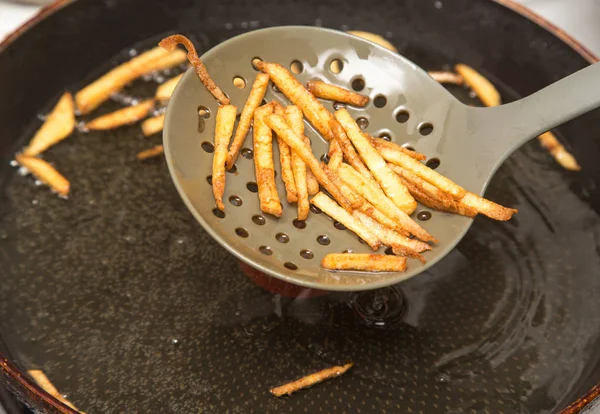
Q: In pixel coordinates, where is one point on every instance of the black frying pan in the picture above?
(128, 306)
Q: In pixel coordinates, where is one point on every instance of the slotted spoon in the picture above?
(469, 144)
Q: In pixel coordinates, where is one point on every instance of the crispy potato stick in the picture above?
(263, 162)
(356, 201)
(480, 85)
(310, 380)
(386, 178)
(349, 152)
(153, 125)
(447, 77)
(285, 159)
(377, 197)
(297, 144)
(151, 152)
(58, 125)
(558, 151)
(293, 116)
(171, 42)
(165, 90)
(311, 180)
(254, 99)
(223, 130)
(45, 172)
(125, 116)
(335, 154)
(364, 262)
(42, 380)
(93, 95)
(335, 93)
(400, 245)
(313, 110)
(487, 207)
(375, 38)
(372, 211)
(426, 173)
(382, 143)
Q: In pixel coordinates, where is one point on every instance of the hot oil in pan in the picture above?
(126, 304)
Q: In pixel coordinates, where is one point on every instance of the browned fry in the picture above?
(349, 152)
(364, 262)
(223, 130)
(166, 89)
(125, 116)
(558, 151)
(93, 95)
(356, 201)
(153, 125)
(313, 183)
(386, 178)
(447, 77)
(46, 173)
(263, 162)
(293, 116)
(400, 245)
(171, 42)
(151, 152)
(487, 207)
(310, 380)
(313, 110)
(254, 99)
(375, 38)
(382, 143)
(329, 207)
(482, 87)
(58, 125)
(335, 93)
(335, 154)
(285, 159)
(377, 197)
(42, 380)
(297, 144)
(372, 211)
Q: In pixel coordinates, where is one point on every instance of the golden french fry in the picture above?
(386, 178)
(356, 201)
(447, 77)
(558, 151)
(382, 143)
(165, 90)
(171, 42)
(330, 207)
(151, 152)
(487, 207)
(372, 211)
(93, 95)
(45, 172)
(310, 380)
(364, 262)
(58, 125)
(313, 110)
(335, 93)
(378, 198)
(263, 161)
(400, 245)
(153, 125)
(313, 183)
(285, 159)
(125, 116)
(297, 144)
(375, 38)
(223, 131)
(348, 149)
(44, 382)
(335, 154)
(482, 87)
(254, 99)
(293, 116)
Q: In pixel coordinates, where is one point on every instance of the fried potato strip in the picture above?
(150, 152)
(46, 173)
(311, 180)
(335, 154)
(335, 93)
(447, 77)
(263, 162)
(153, 125)
(350, 153)
(166, 89)
(487, 207)
(285, 159)
(310, 380)
(482, 87)
(58, 125)
(382, 143)
(293, 116)
(558, 151)
(125, 116)
(364, 262)
(44, 382)
(223, 131)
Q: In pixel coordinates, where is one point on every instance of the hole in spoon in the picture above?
(209, 179)
(336, 66)
(306, 254)
(424, 215)
(323, 240)
(218, 213)
(242, 232)
(239, 82)
(282, 237)
(208, 147)
(426, 129)
(299, 224)
(362, 122)
(385, 136)
(266, 250)
(358, 84)
(247, 153)
(291, 266)
(255, 62)
(296, 67)
(203, 112)
(235, 200)
(433, 163)
(252, 187)
(380, 101)
(259, 220)
(402, 116)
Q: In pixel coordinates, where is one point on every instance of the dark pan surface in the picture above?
(128, 306)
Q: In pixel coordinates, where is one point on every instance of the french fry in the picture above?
(364, 262)
(298, 145)
(487, 207)
(165, 90)
(375, 38)
(150, 152)
(153, 125)
(58, 125)
(254, 99)
(377, 197)
(558, 151)
(482, 87)
(373, 212)
(313, 110)
(125, 116)
(263, 161)
(293, 116)
(44, 382)
(285, 159)
(447, 77)
(335, 93)
(171, 42)
(335, 154)
(386, 178)
(311, 180)
(93, 95)
(329, 207)
(382, 143)
(356, 201)
(400, 245)
(223, 130)
(46, 173)
(348, 149)
(310, 380)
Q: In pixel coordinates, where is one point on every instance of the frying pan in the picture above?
(128, 306)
